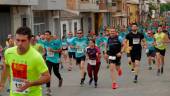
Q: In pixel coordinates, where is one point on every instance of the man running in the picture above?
(150, 51)
(160, 45)
(114, 53)
(135, 42)
(80, 43)
(25, 66)
(53, 48)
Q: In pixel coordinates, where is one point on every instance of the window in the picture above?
(39, 22)
(75, 26)
(39, 28)
(64, 30)
(24, 21)
(114, 3)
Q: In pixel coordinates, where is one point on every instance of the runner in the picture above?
(10, 44)
(35, 45)
(113, 53)
(53, 48)
(93, 53)
(1, 57)
(160, 45)
(55, 37)
(71, 50)
(105, 39)
(64, 51)
(21, 63)
(80, 43)
(135, 39)
(150, 51)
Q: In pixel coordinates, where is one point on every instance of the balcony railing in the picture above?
(88, 6)
(18, 2)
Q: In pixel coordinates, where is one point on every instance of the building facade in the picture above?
(133, 11)
(120, 15)
(15, 13)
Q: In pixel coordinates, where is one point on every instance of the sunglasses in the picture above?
(79, 33)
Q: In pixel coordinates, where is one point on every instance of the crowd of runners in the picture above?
(83, 51)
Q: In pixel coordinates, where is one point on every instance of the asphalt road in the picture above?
(149, 83)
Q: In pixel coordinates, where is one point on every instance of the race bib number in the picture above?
(112, 57)
(80, 50)
(64, 47)
(159, 43)
(92, 62)
(18, 83)
(50, 54)
(147, 51)
(136, 40)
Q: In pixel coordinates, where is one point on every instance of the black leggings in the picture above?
(55, 67)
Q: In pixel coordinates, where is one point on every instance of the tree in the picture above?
(165, 7)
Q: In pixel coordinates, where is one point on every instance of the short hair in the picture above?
(135, 24)
(159, 25)
(24, 31)
(93, 40)
(80, 31)
(48, 32)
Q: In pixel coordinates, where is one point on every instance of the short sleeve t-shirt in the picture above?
(70, 41)
(28, 66)
(114, 45)
(159, 37)
(92, 53)
(55, 45)
(135, 39)
(150, 41)
(82, 43)
(38, 47)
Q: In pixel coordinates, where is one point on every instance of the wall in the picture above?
(18, 13)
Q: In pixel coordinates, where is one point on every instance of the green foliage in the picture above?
(152, 6)
(165, 7)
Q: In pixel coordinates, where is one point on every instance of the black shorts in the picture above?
(128, 54)
(162, 52)
(135, 55)
(151, 53)
(59, 55)
(71, 54)
(117, 61)
(79, 59)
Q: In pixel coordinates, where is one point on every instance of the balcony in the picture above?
(18, 2)
(109, 7)
(50, 5)
(88, 7)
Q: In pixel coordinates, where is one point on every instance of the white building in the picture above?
(50, 15)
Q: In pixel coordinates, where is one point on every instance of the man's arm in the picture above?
(57, 51)
(166, 39)
(45, 78)
(4, 75)
(144, 43)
